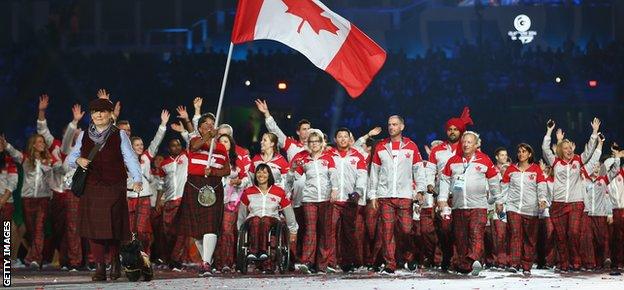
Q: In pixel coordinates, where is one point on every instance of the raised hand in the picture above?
(77, 113)
(374, 132)
(103, 94)
(263, 107)
(164, 117)
(595, 124)
(182, 113)
(3, 143)
(178, 127)
(44, 101)
(550, 125)
(117, 109)
(197, 103)
(560, 135)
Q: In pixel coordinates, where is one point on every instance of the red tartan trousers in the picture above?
(588, 256)
(297, 249)
(64, 214)
(359, 236)
(500, 238)
(226, 243)
(177, 243)
(546, 250)
(522, 243)
(35, 213)
(374, 242)
(6, 212)
(599, 237)
(316, 245)
(567, 221)
(469, 229)
(342, 233)
(445, 236)
(618, 238)
(393, 211)
(141, 221)
(428, 236)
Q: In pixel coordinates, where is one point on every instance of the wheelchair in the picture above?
(278, 251)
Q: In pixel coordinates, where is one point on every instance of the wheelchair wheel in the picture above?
(242, 249)
(282, 251)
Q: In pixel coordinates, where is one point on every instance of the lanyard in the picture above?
(467, 164)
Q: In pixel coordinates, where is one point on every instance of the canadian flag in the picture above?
(329, 41)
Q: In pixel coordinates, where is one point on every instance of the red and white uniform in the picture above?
(616, 193)
(278, 164)
(470, 180)
(232, 194)
(394, 169)
(176, 171)
(36, 194)
(320, 176)
(288, 144)
(261, 210)
(439, 156)
(351, 173)
(198, 160)
(523, 190)
(146, 160)
(260, 204)
(8, 177)
(292, 147)
(568, 184)
(566, 210)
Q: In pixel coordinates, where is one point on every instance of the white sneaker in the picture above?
(263, 256)
(476, 268)
(331, 270)
(17, 264)
(34, 265)
(72, 270)
(251, 257)
(226, 269)
(64, 268)
(304, 269)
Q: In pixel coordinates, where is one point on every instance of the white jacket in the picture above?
(37, 178)
(479, 178)
(146, 161)
(596, 198)
(58, 178)
(320, 176)
(351, 173)
(523, 190)
(616, 183)
(394, 171)
(176, 172)
(568, 185)
(427, 174)
(8, 178)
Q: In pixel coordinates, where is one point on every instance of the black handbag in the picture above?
(80, 176)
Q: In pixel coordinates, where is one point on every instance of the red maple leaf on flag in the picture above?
(310, 12)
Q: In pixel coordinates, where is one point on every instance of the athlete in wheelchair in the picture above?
(263, 235)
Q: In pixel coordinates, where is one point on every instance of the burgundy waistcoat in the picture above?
(107, 168)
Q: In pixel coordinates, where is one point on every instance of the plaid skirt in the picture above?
(195, 220)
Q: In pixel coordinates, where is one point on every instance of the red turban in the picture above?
(461, 122)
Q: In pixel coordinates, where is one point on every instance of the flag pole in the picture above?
(220, 104)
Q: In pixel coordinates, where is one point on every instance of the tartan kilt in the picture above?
(195, 220)
(103, 212)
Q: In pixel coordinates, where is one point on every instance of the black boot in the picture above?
(100, 272)
(115, 271)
